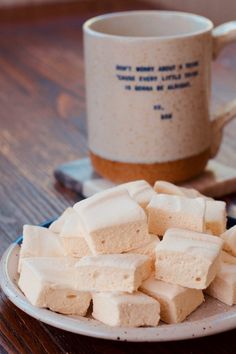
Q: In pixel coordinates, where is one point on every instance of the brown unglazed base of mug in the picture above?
(174, 171)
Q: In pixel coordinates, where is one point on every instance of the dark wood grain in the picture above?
(42, 124)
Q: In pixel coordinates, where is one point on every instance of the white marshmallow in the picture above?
(73, 238)
(127, 310)
(39, 242)
(176, 301)
(166, 211)
(229, 238)
(49, 283)
(57, 225)
(223, 286)
(112, 222)
(116, 272)
(188, 258)
(215, 213)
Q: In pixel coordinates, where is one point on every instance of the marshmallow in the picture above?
(112, 222)
(72, 237)
(215, 213)
(215, 217)
(116, 272)
(39, 242)
(127, 310)
(57, 225)
(140, 191)
(49, 283)
(164, 187)
(188, 258)
(223, 286)
(176, 301)
(227, 258)
(229, 238)
(166, 211)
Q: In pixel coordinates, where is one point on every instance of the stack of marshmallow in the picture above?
(107, 249)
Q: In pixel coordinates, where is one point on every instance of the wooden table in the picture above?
(42, 121)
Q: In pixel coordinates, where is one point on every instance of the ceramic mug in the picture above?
(148, 78)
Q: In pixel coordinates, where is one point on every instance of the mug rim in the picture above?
(87, 26)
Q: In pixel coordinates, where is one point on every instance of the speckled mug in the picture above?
(148, 76)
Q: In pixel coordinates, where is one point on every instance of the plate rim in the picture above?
(219, 323)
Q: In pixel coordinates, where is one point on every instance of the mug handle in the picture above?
(222, 35)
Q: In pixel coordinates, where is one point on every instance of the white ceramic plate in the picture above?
(210, 318)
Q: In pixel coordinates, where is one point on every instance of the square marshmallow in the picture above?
(40, 242)
(127, 310)
(115, 272)
(49, 283)
(166, 211)
(215, 213)
(188, 258)
(112, 222)
(176, 301)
